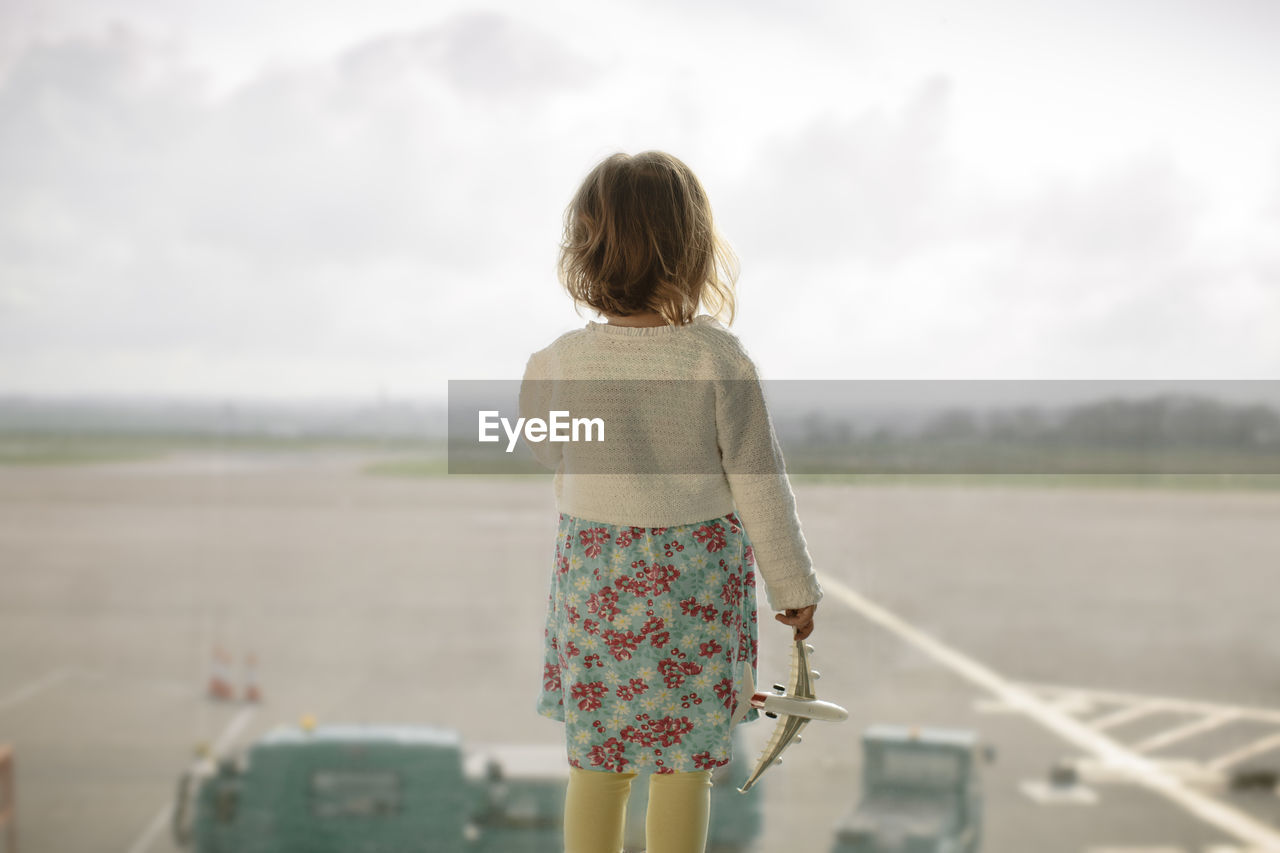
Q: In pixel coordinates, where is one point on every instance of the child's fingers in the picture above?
(801, 619)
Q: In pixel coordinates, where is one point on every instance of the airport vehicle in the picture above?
(375, 788)
(921, 793)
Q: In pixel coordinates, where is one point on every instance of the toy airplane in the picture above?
(794, 706)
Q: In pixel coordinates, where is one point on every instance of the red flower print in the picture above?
(668, 731)
(709, 613)
(640, 736)
(629, 691)
(660, 639)
(674, 674)
(672, 547)
(726, 693)
(626, 537)
(662, 577)
(747, 649)
(591, 626)
(622, 643)
(589, 695)
(572, 650)
(573, 614)
(711, 535)
(657, 531)
(671, 674)
(604, 603)
(591, 660)
(654, 623)
(735, 526)
(592, 539)
(749, 556)
(562, 565)
(710, 649)
(690, 606)
(671, 730)
(551, 678)
(609, 755)
(703, 761)
(731, 592)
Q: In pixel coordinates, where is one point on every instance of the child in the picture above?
(651, 616)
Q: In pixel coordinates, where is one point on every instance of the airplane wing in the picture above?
(787, 731)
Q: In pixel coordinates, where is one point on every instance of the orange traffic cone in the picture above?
(220, 675)
(252, 692)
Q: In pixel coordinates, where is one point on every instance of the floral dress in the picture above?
(648, 631)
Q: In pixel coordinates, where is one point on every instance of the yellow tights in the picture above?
(595, 810)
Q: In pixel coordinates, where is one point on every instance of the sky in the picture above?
(331, 200)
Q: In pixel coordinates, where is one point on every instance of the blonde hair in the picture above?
(639, 236)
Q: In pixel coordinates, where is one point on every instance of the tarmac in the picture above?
(1128, 634)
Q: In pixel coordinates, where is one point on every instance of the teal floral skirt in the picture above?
(648, 632)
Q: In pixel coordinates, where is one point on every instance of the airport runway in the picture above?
(1116, 630)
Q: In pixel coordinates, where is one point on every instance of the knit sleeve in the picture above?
(535, 402)
(753, 464)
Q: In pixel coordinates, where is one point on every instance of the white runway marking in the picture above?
(152, 831)
(1186, 730)
(1128, 715)
(232, 731)
(1137, 767)
(1258, 747)
(1181, 706)
(224, 742)
(24, 693)
(1044, 792)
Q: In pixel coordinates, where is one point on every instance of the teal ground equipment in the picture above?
(921, 793)
(399, 789)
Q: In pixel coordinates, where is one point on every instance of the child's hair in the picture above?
(638, 237)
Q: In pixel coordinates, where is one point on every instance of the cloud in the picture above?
(479, 54)
(864, 187)
(320, 211)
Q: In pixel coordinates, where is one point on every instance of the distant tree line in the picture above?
(1163, 433)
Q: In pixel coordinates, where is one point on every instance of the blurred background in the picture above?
(244, 248)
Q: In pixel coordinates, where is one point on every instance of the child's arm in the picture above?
(753, 464)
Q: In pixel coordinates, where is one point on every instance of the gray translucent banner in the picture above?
(700, 427)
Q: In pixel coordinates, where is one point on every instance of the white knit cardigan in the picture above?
(697, 444)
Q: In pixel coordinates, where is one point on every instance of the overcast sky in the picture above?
(324, 199)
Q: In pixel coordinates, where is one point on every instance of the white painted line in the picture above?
(25, 692)
(1044, 793)
(1075, 704)
(1185, 731)
(233, 729)
(1258, 747)
(152, 831)
(1139, 768)
(1185, 706)
(1191, 772)
(224, 742)
(992, 706)
(1128, 715)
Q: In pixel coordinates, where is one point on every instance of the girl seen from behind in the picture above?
(651, 628)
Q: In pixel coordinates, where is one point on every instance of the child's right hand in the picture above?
(801, 619)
